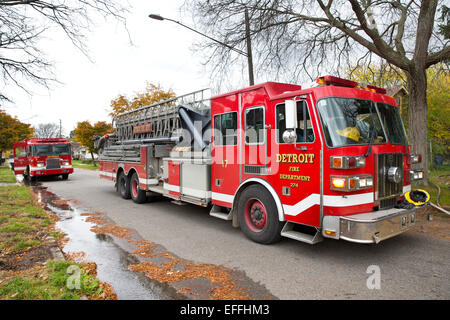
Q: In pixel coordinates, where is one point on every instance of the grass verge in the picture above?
(7, 175)
(57, 280)
(27, 269)
(440, 177)
(84, 165)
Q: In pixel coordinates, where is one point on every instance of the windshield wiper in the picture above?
(372, 136)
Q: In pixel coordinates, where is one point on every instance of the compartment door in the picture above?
(174, 178)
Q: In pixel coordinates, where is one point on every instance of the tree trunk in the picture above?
(417, 118)
(93, 160)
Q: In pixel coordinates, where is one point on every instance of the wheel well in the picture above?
(247, 184)
(119, 170)
(130, 173)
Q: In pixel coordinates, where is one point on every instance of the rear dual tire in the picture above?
(129, 188)
(137, 195)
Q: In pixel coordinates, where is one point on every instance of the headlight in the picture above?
(416, 158)
(416, 174)
(40, 165)
(66, 163)
(351, 183)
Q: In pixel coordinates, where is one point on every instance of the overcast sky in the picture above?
(161, 53)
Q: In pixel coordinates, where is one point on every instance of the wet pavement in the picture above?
(136, 268)
(112, 261)
(413, 265)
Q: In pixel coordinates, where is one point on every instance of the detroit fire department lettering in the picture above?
(294, 177)
(295, 158)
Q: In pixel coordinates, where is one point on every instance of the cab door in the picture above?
(20, 159)
(256, 138)
(299, 170)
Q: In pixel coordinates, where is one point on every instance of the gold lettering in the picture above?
(301, 158)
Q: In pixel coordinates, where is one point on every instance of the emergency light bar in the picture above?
(330, 80)
(376, 89)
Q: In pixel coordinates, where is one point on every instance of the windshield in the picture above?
(61, 149)
(349, 121)
(392, 122)
(49, 149)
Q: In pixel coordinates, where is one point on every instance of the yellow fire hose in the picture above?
(419, 197)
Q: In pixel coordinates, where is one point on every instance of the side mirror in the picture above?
(291, 114)
(290, 136)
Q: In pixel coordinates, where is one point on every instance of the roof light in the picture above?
(377, 89)
(330, 80)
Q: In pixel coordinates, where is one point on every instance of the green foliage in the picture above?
(438, 99)
(444, 28)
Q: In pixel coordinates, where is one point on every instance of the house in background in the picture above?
(400, 94)
(80, 153)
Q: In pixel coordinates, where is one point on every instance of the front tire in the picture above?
(137, 195)
(27, 175)
(65, 176)
(258, 215)
(123, 186)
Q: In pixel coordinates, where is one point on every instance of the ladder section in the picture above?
(162, 118)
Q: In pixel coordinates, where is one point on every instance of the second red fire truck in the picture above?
(276, 159)
(41, 157)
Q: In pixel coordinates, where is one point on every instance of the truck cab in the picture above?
(38, 157)
(330, 161)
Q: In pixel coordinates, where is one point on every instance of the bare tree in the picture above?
(47, 130)
(24, 22)
(294, 38)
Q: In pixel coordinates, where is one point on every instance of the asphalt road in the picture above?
(412, 266)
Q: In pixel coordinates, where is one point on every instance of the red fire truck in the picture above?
(37, 157)
(276, 159)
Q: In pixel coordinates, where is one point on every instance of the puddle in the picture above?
(111, 259)
(139, 269)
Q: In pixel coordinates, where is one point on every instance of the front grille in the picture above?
(388, 203)
(385, 188)
(53, 163)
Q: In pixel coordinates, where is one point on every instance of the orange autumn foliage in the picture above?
(153, 93)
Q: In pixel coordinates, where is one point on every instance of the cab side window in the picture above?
(225, 129)
(20, 152)
(254, 125)
(305, 132)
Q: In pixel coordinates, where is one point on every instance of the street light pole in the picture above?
(247, 31)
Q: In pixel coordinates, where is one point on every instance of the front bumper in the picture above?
(35, 171)
(373, 227)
